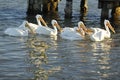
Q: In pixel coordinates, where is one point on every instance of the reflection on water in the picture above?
(37, 50)
(102, 46)
(38, 57)
(98, 59)
(101, 53)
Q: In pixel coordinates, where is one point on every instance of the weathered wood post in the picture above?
(116, 16)
(116, 10)
(105, 9)
(50, 6)
(34, 7)
(83, 9)
(54, 5)
(116, 4)
(84, 6)
(104, 12)
(105, 5)
(46, 6)
(68, 9)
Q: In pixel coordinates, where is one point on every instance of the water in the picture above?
(44, 58)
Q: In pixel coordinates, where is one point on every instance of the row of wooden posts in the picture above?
(47, 6)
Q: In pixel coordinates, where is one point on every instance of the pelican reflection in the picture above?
(39, 59)
(101, 57)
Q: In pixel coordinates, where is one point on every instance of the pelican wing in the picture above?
(16, 32)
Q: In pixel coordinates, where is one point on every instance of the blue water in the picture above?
(45, 58)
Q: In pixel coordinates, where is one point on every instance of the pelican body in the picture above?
(19, 31)
(40, 21)
(47, 30)
(75, 33)
(98, 34)
(106, 31)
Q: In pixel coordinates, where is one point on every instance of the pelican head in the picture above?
(55, 23)
(23, 24)
(84, 28)
(26, 23)
(81, 24)
(39, 18)
(80, 29)
(107, 23)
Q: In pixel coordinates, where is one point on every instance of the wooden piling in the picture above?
(104, 12)
(68, 9)
(84, 6)
(34, 7)
(47, 6)
(83, 9)
(50, 6)
(105, 5)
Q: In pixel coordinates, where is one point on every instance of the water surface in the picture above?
(45, 58)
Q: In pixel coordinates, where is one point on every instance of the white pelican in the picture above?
(106, 31)
(47, 30)
(75, 33)
(22, 30)
(98, 34)
(39, 20)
